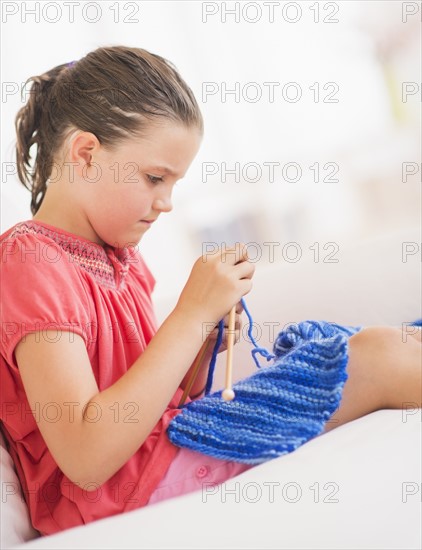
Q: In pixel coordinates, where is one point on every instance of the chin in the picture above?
(124, 238)
(122, 243)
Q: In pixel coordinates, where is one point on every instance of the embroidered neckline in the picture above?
(109, 265)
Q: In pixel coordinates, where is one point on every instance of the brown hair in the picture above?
(111, 92)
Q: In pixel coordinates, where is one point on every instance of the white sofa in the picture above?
(358, 486)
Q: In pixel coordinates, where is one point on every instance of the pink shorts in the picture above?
(190, 471)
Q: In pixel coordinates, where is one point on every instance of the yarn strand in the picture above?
(214, 357)
(256, 349)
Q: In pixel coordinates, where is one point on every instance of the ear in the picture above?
(83, 147)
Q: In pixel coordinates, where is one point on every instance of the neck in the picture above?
(70, 218)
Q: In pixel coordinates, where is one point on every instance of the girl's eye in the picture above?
(154, 179)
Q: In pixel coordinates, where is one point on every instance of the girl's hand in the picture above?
(238, 325)
(217, 282)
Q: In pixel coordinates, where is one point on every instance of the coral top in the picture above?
(54, 280)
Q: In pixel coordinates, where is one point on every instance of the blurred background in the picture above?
(311, 109)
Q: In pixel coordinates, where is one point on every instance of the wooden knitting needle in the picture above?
(228, 393)
(197, 364)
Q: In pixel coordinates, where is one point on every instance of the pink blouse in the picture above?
(54, 280)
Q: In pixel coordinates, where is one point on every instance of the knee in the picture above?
(378, 339)
(374, 351)
(371, 345)
(379, 348)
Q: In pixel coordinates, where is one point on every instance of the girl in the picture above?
(89, 385)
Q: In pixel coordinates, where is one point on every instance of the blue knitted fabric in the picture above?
(279, 407)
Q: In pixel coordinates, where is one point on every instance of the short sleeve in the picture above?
(41, 290)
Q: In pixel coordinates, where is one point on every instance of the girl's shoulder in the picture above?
(27, 243)
(46, 236)
(39, 288)
(31, 243)
(36, 256)
(51, 248)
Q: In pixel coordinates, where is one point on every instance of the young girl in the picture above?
(89, 385)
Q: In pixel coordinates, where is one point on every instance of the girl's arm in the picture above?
(98, 432)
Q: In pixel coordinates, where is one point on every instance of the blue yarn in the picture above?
(214, 357)
(256, 349)
(294, 334)
(278, 408)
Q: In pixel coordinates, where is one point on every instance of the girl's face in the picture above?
(126, 190)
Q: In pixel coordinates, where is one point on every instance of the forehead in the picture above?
(168, 147)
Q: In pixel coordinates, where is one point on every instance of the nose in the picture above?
(162, 202)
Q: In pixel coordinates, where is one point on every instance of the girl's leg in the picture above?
(416, 332)
(384, 372)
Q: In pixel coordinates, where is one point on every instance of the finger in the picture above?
(245, 270)
(213, 334)
(238, 322)
(243, 252)
(246, 286)
(236, 254)
(239, 307)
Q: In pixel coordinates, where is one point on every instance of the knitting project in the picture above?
(279, 407)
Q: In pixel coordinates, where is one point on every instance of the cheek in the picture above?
(126, 197)
(124, 202)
